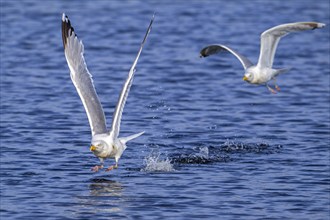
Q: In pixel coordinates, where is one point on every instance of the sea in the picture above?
(214, 147)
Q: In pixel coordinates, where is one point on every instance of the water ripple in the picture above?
(213, 145)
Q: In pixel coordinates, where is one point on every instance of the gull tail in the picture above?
(283, 70)
(124, 140)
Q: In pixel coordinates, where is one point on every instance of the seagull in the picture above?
(263, 72)
(105, 143)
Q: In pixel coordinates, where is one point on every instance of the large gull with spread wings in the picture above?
(263, 72)
(105, 143)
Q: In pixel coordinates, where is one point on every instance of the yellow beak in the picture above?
(245, 78)
(92, 148)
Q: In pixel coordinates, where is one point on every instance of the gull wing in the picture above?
(81, 78)
(271, 37)
(116, 119)
(214, 49)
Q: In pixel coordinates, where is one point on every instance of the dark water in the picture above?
(214, 148)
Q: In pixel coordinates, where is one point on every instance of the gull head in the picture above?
(248, 77)
(98, 147)
(99, 144)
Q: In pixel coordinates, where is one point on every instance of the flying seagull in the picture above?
(263, 72)
(105, 143)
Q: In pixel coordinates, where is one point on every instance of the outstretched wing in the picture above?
(125, 90)
(81, 78)
(214, 49)
(271, 37)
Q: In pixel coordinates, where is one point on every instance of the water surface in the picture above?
(214, 146)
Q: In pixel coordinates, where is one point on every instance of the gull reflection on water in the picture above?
(104, 187)
(105, 196)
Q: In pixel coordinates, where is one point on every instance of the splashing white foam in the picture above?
(153, 163)
(204, 151)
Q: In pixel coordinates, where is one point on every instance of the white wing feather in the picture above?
(125, 90)
(81, 78)
(271, 37)
(218, 48)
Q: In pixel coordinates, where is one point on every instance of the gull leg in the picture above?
(113, 166)
(97, 168)
(276, 86)
(271, 89)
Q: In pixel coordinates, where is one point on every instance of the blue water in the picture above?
(214, 146)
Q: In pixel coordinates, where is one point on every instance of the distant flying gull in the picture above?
(263, 72)
(105, 143)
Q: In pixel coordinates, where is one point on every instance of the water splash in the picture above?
(154, 163)
(204, 152)
(226, 152)
(198, 155)
(233, 147)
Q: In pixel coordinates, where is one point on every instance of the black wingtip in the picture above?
(67, 29)
(149, 28)
(203, 53)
